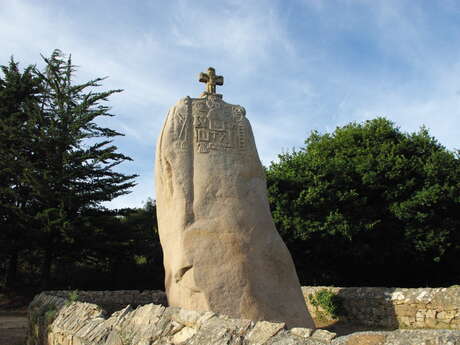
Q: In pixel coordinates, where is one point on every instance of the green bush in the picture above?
(72, 297)
(50, 315)
(329, 302)
(369, 205)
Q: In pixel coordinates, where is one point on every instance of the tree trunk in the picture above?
(12, 270)
(46, 269)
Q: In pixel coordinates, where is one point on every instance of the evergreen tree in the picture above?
(71, 159)
(128, 247)
(19, 97)
(124, 251)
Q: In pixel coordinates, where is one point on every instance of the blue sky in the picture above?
(296, 66)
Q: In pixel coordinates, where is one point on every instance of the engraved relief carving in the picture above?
(217, 126)
(181, 125)
(201, 125)
(239, 115)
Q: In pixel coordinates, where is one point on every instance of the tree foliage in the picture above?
(57, 161)
(369, 203)
(119, 249)
(19, 98)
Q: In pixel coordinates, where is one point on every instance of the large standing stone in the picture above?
(222, 252)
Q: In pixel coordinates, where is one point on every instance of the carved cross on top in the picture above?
(211, 80)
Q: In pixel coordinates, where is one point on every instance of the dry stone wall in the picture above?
(112, 301)
(54, 320)
(396, 307)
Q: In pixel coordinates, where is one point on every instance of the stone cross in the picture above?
(211, 80)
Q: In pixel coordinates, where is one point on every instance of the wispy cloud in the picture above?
(296, 66)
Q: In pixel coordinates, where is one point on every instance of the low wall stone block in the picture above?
(434, 308)
(54, 320)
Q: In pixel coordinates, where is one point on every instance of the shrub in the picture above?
(329, 302)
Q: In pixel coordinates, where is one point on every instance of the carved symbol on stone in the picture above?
(203, 147)
(202, 134)
(199, 107)
(241, 136)
(218, 126)
(216, 122)
(239, 115)
(181, 125)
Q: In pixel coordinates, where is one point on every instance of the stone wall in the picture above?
(112, 301)
(55, 320)
(396, 307)
(372, 306)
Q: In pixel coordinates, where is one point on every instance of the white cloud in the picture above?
(359, 60)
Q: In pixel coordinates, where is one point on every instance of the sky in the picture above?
(295, 65)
